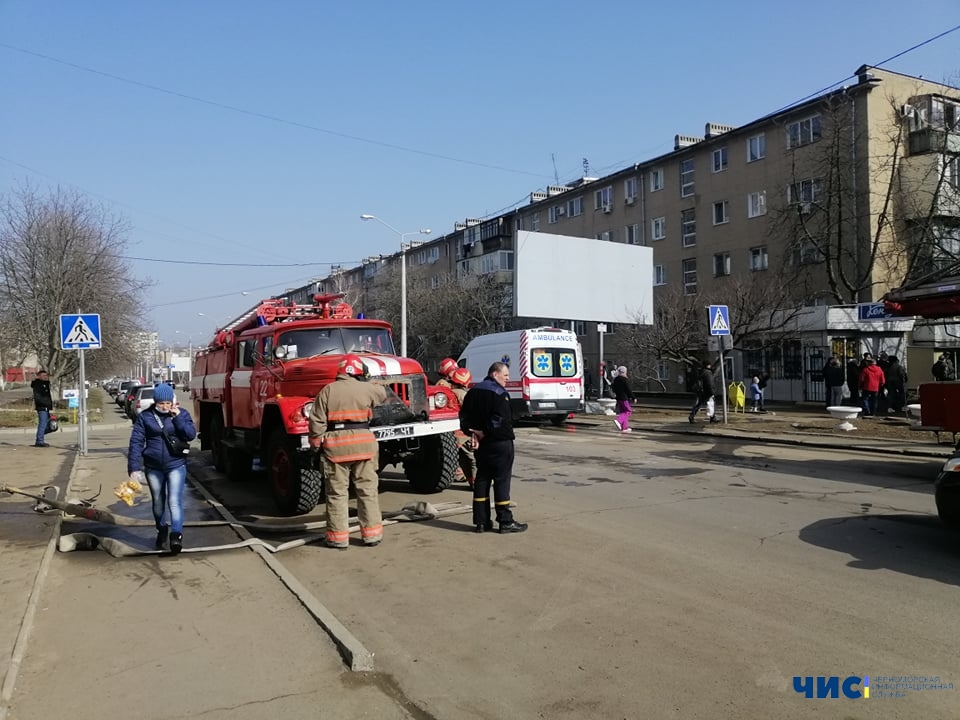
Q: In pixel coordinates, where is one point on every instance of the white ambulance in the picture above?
(546, 369)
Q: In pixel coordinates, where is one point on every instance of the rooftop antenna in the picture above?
(586, 168)
(556, 175)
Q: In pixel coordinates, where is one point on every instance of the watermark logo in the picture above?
(855, 687)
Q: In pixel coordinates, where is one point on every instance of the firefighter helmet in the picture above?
(462, 376)
(447, 366)
(352, 365)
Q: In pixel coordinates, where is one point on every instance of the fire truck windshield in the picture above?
(334, 341)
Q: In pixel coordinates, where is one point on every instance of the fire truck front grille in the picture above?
(406, 400)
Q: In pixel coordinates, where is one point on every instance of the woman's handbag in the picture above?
(844, 391)
(53, 424)
(175, 445)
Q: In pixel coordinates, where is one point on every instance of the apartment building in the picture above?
(809, 210)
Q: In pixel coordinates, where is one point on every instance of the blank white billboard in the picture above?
(575, 278)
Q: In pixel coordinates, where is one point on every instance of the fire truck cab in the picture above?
(254, 385)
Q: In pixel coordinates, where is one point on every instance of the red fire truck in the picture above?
(254, 385)
(937, 296)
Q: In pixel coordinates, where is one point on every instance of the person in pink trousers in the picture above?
(624, 396)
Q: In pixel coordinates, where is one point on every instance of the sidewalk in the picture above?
(151, 637)
(87, 636)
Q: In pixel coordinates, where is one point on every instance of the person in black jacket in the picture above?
(834, 377)
(704, 390)
(43, 402)
(486, 417)
(624, 396)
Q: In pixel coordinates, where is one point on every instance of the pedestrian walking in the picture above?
(942, 370)
(43, 403)
(853, 381)
(624, 396)
(487, 418)
(340, 427)
(158, 446)
(896, 384)
(871, 380)
(756, 394)
(834, 378)
(703, 387)
(461, 380)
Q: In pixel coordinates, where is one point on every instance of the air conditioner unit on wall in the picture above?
(631, 200)
(805, 208)
(608, 208)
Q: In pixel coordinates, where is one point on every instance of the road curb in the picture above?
(353, 651)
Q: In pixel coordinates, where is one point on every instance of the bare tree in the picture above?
(60, 254)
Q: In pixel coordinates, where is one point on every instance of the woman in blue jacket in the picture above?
(158, 449)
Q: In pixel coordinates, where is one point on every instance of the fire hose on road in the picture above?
(411, 512)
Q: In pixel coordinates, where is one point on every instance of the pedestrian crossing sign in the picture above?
(719, 317)
(80, 332)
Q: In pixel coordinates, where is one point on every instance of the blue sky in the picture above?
(422, 113)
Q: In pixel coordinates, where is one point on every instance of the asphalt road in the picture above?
(662, 576)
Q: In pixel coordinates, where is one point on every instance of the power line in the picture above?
(265, 116)
(231, 294)
(228, 264)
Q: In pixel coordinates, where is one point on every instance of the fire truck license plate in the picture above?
(393, 432)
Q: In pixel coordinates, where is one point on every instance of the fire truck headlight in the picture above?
(307, 409)
(440, 401)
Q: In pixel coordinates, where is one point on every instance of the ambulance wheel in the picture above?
(217, 449)
(434, 466)
(296, 489)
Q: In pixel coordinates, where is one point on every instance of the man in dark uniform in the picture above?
(43, 402)
(340, 425)
(485, 415)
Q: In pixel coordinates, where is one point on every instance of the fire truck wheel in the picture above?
(434, 466)
(217, 449)
(296, 488)
(948, 505)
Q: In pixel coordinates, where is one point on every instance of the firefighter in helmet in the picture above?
(461, 380)
(340, 426)
(447, 367)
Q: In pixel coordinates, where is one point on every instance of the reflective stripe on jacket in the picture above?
(346, 400)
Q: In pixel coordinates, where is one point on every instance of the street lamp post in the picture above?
(404, 246)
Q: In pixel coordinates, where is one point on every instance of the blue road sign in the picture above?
(80, 332)
(719, 319)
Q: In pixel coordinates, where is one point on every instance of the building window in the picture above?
(803, 132)
(554, 214)
(663, 370)
(721, 212)
(805, 191)
(688, 227)
(806, 252)
(656, 179)
(757, 204)
(435, 282)
(951, 170)
(630, 190)
(535, 225)
(756, 148)
(758, 258)
(632, 235)
(659, 275)
(690, 276)
(720, 159)
(603, 199)
(721, 264)
(658, 228)
(575, 206)
(686, 178)
(496, 261)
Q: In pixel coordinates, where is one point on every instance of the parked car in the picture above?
(122, 392)
(131, 396)
(143, 400)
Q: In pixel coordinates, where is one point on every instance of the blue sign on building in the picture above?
(873, 311)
